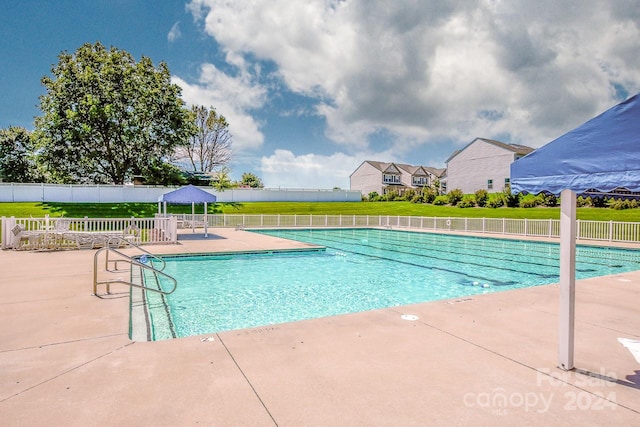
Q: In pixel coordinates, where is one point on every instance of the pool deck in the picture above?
(488, 360)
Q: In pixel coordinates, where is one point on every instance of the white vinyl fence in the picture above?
(70, 232)
(610, 231)
(60, 193)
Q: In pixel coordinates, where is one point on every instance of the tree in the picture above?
(210, 147)
(251, 180)
(222, 181)
(108, 118)
(17, 158)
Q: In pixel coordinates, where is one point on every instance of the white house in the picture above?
(383, 177)
(482, 164)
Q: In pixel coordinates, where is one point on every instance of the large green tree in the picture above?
(108, 118)
(17, 157)
(251, 180)
(209, 149)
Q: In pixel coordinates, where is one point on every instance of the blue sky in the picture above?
(313, 88)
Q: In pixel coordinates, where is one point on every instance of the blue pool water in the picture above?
(361, 269)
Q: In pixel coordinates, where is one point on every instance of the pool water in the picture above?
(360, 269)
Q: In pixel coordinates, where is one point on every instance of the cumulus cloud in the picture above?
(282, 168)
(174, 33)
(423, 71)
(235, 97)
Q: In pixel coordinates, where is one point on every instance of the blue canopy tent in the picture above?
(602, 154)
(188, 195)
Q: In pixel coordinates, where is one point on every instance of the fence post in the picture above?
(503, 226)
(611, 230)
(526, 227)
(483, 225)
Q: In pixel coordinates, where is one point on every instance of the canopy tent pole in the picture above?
(165, 207)
(193, 217)
(567, 278)
(159, 207)
(206, 222)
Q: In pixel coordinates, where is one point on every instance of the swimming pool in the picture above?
(360, 269)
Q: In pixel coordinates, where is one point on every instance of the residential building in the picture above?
(482, 164)
(383, 177)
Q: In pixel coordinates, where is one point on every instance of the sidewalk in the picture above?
(66, 358)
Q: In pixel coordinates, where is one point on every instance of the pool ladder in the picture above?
(111, 267)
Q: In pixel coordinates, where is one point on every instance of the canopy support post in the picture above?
(206, 221)
(567, 279)
(193, 217)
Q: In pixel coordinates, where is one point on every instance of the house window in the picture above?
(489, 184)
(507, 182)
(390, 179)
(419, 180)
(443, 187)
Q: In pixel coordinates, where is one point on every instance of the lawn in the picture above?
(139, 210)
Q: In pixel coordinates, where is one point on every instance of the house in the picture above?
(383, 177)
(482, 164)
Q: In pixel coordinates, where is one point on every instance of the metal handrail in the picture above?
(121, 240)
(132, 262)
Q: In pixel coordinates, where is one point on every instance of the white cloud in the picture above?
(174, 33)
(426, 70)
(233, 97)
(284, 169)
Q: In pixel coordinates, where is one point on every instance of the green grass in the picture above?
(146, 210)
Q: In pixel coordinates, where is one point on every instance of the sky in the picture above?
(313, 88)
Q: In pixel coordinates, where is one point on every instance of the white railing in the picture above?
(64, 233)
(68, 232)
(586, 230)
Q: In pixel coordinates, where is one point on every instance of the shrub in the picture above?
(481, 197)
(408, 194)
(428, 195)
(599, 202)
(374, 197)
(529, 201)
(440, 200)
(582, 202)
(391, 196)
(549, 200)
(495, 202)
(454, 196)
(467, 202)
(623, 204)
(508, 199)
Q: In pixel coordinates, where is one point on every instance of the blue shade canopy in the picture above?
(602, 154)
(187, 195)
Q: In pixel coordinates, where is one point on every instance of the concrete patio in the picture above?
(66, 358)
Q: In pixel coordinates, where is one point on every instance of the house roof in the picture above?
(515, 148)
(438, 172)
(411, 169)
